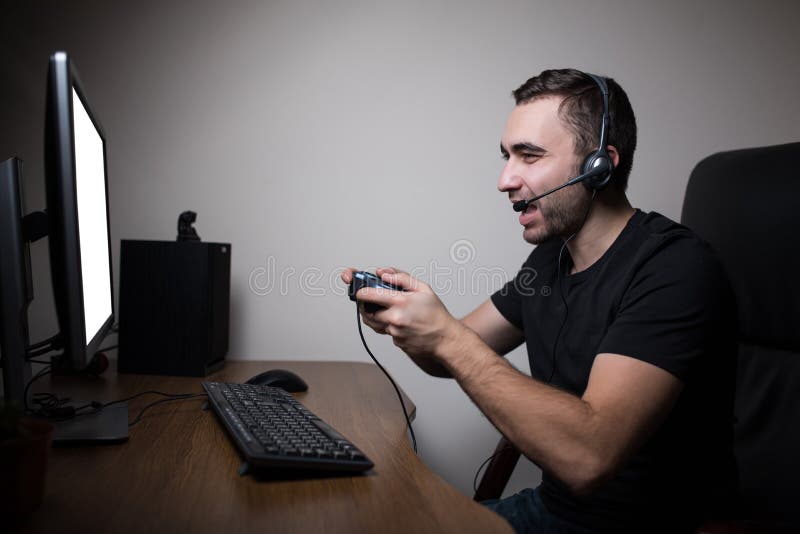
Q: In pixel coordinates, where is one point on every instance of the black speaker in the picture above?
(174, 302)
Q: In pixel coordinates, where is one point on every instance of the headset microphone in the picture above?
(522, 205)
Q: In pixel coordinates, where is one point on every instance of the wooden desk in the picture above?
(178, 471)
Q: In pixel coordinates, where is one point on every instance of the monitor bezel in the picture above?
(64, 231)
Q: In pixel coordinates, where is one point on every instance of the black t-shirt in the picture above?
(658, 294)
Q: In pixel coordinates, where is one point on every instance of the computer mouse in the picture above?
(280, 378)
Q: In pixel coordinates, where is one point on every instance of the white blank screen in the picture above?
(92, 221)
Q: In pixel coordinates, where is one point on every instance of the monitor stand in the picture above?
(108, 426)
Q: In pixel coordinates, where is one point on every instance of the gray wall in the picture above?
(315, 135)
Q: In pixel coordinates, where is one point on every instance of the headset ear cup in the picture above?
(592, 161)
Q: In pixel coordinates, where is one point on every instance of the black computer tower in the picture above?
(174, 302)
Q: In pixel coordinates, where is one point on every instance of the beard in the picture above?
(563, 213)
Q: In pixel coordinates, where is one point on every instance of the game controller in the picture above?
(365, 279)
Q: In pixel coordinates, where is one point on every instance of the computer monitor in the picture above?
(80, 245)
(77, 205)
(15, 286)
(77, 223)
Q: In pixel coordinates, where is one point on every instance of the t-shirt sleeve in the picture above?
(676, 308)
(508, 299)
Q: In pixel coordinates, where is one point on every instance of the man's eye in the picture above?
(530, 158)
(504, 156)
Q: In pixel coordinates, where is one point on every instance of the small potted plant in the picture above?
(24, 447)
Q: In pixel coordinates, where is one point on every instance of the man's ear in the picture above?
(613, 154)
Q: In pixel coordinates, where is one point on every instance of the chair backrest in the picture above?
(746, 204)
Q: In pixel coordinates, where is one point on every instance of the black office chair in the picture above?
(746, 204)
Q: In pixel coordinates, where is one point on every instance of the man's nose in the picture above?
(509, 180)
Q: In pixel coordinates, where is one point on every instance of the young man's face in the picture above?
(541, 156)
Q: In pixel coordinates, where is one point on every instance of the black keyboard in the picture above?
(272, 429)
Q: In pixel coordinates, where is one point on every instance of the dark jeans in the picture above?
(527, 513)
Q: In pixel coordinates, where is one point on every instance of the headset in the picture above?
(598, 167)
(599, 161)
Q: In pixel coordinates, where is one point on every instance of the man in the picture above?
(629, 408)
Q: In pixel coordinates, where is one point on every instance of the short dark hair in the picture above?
(582, 110)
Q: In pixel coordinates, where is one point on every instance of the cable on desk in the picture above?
(100, 406)
(399, 395)
(51, 406)
(138, 418)
(48, 369)
(151, 392)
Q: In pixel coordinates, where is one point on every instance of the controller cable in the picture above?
(397, 390)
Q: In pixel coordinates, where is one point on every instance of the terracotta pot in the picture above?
(23, 469)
